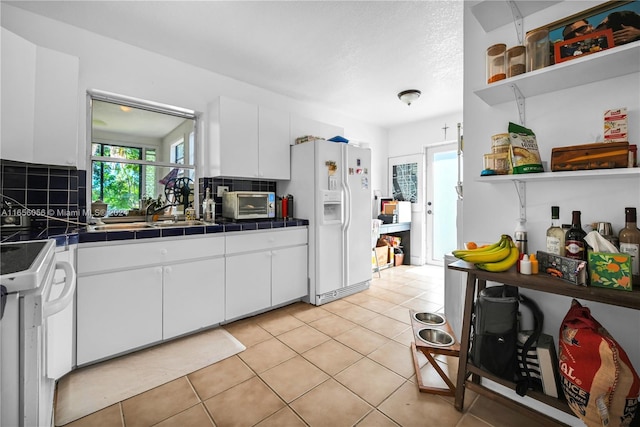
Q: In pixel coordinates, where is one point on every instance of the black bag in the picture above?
(494, 345)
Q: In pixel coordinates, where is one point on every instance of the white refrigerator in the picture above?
(330, 182)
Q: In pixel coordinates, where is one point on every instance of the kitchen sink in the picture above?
(166, 224)
(122, 226)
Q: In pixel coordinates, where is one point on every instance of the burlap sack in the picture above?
(598, 379)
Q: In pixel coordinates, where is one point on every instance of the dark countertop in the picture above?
(64, 236)
(220, 227)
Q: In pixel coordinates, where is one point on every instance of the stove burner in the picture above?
(19, 256)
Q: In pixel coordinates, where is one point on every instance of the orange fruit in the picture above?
(471, 245)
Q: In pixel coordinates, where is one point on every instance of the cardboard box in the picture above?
(382, 254)
(571, 270)
(590, 156)
(402, 210)
(609, 270)
(615, 125)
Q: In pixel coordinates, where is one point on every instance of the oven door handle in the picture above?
(50, 308)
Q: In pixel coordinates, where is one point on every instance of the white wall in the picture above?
(567, 117)
(112, 66)
(410, 139)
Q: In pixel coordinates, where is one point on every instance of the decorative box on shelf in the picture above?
(590, 156)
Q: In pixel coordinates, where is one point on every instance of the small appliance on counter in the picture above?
(249, 205)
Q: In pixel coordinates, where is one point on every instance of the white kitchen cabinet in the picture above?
(247, 140)
(193, 296)
(39, 103)
(289, 274)
(139, 293)
(264, 269)
(117, 312)
(248, 284)
(273, 148)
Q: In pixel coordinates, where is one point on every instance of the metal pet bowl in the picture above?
(429, 318)
(436, 337)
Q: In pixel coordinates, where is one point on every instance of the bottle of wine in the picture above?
(629, 238)
(555, 234)
(575, 246)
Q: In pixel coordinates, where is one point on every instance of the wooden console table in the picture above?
(469, 375)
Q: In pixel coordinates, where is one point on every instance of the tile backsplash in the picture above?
(50, 193)
(44, 192)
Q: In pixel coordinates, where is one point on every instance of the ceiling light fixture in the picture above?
(409, 96)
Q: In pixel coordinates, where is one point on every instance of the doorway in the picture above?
(441, 207)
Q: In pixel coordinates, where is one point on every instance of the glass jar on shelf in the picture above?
(515, 61)
(495, 63)
(538, 53)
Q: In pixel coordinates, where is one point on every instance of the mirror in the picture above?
(141, 152)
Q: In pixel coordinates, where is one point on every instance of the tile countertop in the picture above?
(219, 227)
(64, 236)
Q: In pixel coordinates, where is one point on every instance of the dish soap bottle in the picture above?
(208, 207)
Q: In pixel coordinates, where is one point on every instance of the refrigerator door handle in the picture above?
(347, 217)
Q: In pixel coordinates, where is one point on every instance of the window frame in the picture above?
(189, 169)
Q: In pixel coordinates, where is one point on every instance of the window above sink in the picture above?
(141, 150)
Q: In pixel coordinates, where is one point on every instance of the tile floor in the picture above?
(346, 363)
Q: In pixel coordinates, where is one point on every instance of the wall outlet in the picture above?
(221, 190)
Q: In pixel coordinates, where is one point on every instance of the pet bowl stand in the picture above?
(430, 351)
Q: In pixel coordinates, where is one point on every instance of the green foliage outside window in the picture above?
(116, 183)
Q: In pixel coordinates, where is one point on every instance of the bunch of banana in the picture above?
(496, 257)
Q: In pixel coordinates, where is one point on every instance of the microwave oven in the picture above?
(248, 204)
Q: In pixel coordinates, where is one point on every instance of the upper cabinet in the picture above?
(247, 140)
(39, 103)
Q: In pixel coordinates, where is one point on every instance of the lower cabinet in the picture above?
(131, 295)
(136, 294)
(193, 296)
(264, 269)
(117, 312)
(289, 274)
(248, 284)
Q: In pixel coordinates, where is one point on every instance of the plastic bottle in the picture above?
(520, 236)
(525, 265)
(534, 264)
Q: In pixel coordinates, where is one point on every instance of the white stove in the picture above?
(33, 298)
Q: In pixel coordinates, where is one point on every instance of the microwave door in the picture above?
(252, 205)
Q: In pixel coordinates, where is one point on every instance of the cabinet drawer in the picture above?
(265, 240)
(139, 254)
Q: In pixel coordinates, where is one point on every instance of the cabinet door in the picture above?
(118, 312)
(18, 96)
(273, 148)
(193, 296)
(238, 148)
(289, 277)
(248, 284)
(55, 139)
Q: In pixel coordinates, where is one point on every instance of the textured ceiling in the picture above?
(349, 56)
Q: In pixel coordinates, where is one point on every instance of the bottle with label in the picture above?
(575, 245)
(208, 206)
(555, 234)
(520, 237)
(629, 238)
